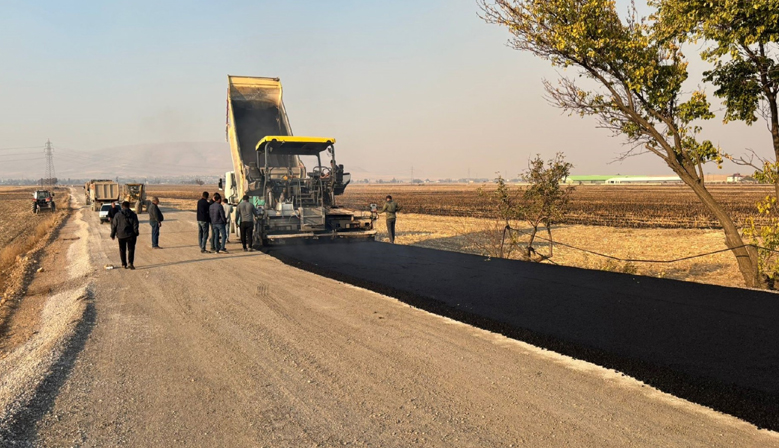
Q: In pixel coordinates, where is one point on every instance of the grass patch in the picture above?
(12, 254)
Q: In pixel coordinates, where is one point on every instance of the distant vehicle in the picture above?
(101, 191)
(103, 213)
(43, 199)
(135, 194)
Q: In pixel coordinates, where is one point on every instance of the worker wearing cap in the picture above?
(390, 208)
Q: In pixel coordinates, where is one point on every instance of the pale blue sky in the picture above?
(402, 83)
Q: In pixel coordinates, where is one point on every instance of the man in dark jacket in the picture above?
(203, 221)
(125, 227)
(113, 210)
(390, 208)
(155, 221)
(218, 223)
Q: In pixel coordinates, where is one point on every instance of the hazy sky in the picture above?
(399, 84)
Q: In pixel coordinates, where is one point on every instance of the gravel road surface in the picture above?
(242, 350)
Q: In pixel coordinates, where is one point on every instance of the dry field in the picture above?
(183, 197)
(632, 206)
(452, 218)
(21, 231)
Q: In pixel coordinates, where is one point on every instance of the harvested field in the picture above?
(21, 234)
(183, 197)
(631, 206)
(17, 222)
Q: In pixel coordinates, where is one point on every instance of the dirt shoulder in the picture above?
(37, 345)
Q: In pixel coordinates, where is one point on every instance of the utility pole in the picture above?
(412, 174)
(50, 179)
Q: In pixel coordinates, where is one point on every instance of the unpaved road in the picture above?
(241, 350)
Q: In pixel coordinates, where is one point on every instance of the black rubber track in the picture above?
(712, 345)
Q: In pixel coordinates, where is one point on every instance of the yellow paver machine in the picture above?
(292, 180)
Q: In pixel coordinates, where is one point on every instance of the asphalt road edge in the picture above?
(753, 406)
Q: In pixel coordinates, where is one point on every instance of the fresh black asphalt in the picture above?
(712, 345)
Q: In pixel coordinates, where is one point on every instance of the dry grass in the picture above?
(482, 237)
(22, 230)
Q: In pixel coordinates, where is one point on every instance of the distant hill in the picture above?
(145, 160)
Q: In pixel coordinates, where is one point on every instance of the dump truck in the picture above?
(269, 165)
(135, 194)
(101, 191)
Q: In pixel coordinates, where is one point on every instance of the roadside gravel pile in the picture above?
(23, 370)
(27, 370)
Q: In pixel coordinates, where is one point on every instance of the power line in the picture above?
(18, 160)
(50, 178)
(12, 154)
(634, 260)
(20, 147)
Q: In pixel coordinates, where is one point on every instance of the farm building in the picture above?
(617, 179)
(589, 179)
(644, 180)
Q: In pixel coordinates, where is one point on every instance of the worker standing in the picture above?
(228, 208)
(246, 212)
(390, 208)
(155, 220)
(217, 214)
(113, 210)
(203, 222)
(125, 227)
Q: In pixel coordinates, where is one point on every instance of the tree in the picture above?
(543, 202)
(546, 200)
(636, 72)
(741, 40)
(505, 202)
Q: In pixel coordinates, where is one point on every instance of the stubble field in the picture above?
(632, 206)
(21, 231)
(637, 222)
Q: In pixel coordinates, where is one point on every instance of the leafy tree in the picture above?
(545, 201)
(542, 203)
(742, 42)
(636, 72)
(741, 38)
(505, 202)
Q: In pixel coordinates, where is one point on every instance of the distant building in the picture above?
(644, 180)
(589, 179)
(617, 179)
(736, 178)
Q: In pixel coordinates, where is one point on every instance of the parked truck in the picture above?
(100, 191)
(135, 194)
(295, 201)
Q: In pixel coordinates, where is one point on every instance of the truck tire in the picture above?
(53, 207)
(35, 207)
(139, 207)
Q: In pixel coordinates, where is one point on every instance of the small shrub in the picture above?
(616, 266)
